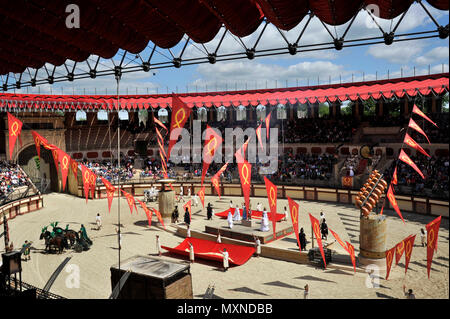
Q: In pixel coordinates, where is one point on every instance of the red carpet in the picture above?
(256, 214)
(206, 249)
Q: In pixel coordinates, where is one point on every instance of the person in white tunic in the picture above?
(423, 237)
(225, 259)
(285, 213)
(264, 221)
(196, 200)
(191, 253)
(237, 214)
(257, 245)
(230, 220)
(219, 238)
(98, 220)
(258, 207)
(322, 217)
(158, 245)
(188, 232)
(181, 194)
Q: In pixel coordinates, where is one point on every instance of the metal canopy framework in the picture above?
(436, 84)
(37, 48)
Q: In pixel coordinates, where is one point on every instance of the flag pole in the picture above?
(118, 171)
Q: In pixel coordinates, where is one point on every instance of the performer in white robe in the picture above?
(196, 200)
(225, 259)
(258, 207)
(264, 221)
(285, 213)
(191, 253)
(188, 232)
(236, 215)
(158, 245)
(219, 238)
(257, 245)
(230, 220)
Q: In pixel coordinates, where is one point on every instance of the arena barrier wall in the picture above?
(413, 204)
(21, 207)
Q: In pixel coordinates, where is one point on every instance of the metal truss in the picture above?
(158, 58)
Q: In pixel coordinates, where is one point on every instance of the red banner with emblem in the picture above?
(14, 130)
(38, 140)
(267, 125)
(201, 194)
(86, 173)
(409, 141)
(419, 112)
(215, 181)
(159, 123)
(293, 208)
(271, 190)
(180, 114)
(416, 127)
(347, 181)
(391, 197)
(409, 245)
(316, 229)
(130, 200)
(109, 192)
(245, 174)
(54, 149)
(339, 240)
(258, 135)
(158, 214)
(405, 158)
(432, 239)
(244, 147)
(351, 251)
(64, 162)
(74, 168)
(212, 142)
(92, 182)
(147, 211)
(188, 205)
(394, 177)
(399, 250)
(389, 258)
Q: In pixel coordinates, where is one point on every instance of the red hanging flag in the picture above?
(339, 240)
(409, 245)
(201, 194)
(267, 125)
(14, 130)
(432, 239)
(258, 135)
(389, 257)
(180, 114)
(158, 214)
(416, 127)
(399, 250)
(92, 182)
(391, 197)
(109, 192)
(147, 211)
(245, 174)
(293, 208)
(405, 158)
(38, 140)
(409, 141)
(214, 141)
(188, 205)
(130, 201)
(85, 172)
(351, 251)
(316, 229)
(74, 167)
(159, 123)
(64, 161)
(244, 147)
(394, 177)
(271, 190)
(215, 181)
(419, 112)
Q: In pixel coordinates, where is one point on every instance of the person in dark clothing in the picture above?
(187, 217)
(175, 215)
(209, 211)
(302, 238)
(324, 229)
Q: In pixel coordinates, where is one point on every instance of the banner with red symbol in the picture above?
(351, 251)
(74, 168)
(389, 258)
(409, 245)
(158, 214)
(347, 181)
(293, 208)
(130, 200)
(85, 173)
(391, 197)
(180, 114)
(419, 112)
(201, 194)
(432, 239)
(316, 229)
(38, 140)
(258, 135)
(271, 190)
(109, 192)
(14, 130)
(416, 127)
(147, 211)
(394, 177)
(405, 158)
(409, 141)
(399, 250)
(267, 125)
(64, 161)
(212, 143)
(245, 174)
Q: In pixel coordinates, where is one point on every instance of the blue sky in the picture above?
(275, 71)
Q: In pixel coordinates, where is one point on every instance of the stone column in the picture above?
(372, 240)
(166, 205)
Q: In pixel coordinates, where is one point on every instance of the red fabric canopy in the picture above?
(438, 83)
(256, 214)
(206, 249)
(36, 30)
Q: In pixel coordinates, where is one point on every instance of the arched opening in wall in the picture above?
(41, 172)
(260, 112)
(241, 114)
(80, 117)
(221, 113)
(281, 112)
(302, 111)
(202, 114)
(163, 115)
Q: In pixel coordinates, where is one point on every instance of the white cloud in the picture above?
(398, 52)
(434, 55)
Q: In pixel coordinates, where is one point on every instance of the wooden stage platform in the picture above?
(245, 233)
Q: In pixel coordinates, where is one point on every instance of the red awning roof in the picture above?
(34, 32)
(438, 83)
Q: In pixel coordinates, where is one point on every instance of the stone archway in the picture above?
(39, 171)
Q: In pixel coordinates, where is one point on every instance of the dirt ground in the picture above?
(258, 278)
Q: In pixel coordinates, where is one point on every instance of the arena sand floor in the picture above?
(258, 278)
